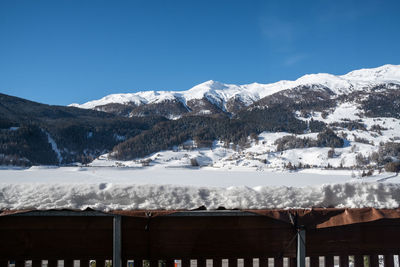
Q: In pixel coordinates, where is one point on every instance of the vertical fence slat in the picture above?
(344, 261)
(247, 262)
(358, 261)
(389, 261)
(314, 261)
(263, 262)
(70, 263)
(185, 262)
(99, 263)
(153, 263)
(217, 262)
(201, 263)
(170, 263)
(373, 260)
(329, 261)
(19, 263)
(278, 262)
(52, 263)
(137, 263)
(84, 263)
(232, 262)
(292, 262)
(3, 263)
(36, 263)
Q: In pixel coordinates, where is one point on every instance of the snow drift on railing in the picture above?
(106, 196)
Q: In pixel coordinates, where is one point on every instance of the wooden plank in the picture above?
(389, 261)
(248, 262)
(278, 262)
(358, 261)
(207, 237)
(314, 261)
(355, 239)
(232, 262)
(329, 261)
(373, 260)
(56, 237)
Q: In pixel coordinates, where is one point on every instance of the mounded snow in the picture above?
(130, 188)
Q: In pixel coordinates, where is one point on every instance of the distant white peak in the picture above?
(209, 88)
(385, 73)
(335, 83)
(114, 98)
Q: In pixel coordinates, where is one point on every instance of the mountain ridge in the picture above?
(220, 94)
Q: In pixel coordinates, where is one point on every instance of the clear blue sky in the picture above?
(60, 52)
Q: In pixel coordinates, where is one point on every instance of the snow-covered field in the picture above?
(158, 187)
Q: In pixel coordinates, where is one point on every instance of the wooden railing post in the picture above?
(20, 263)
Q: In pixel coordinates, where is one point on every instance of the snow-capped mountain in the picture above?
(323, 120)
(213, 97)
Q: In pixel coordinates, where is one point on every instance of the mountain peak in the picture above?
(383, 73)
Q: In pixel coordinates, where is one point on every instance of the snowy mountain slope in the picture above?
(221, 94)
(364, 143)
